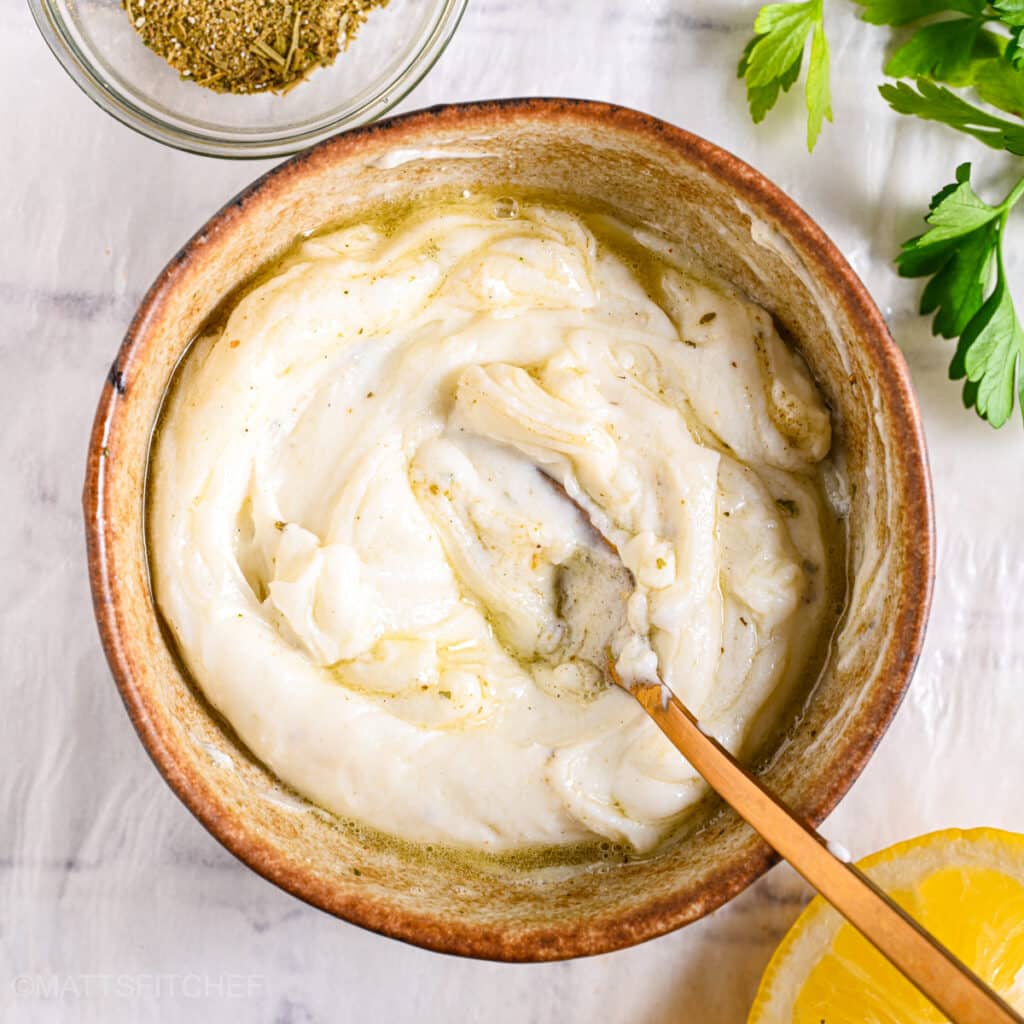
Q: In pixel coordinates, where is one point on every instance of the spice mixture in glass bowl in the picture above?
(246, 78)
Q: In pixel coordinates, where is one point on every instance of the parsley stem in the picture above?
(1011, 200)
(1006, 206)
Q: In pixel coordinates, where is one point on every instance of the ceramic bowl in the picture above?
(743, 228)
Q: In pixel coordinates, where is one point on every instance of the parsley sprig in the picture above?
(772, 59)
(964, 69)
(962, 252)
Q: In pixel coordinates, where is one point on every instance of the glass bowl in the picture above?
(100, 49)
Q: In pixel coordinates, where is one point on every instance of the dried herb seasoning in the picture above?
(245, 46)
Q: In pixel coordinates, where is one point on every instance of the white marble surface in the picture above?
(115, 905)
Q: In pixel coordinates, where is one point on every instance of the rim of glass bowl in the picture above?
(251, 144)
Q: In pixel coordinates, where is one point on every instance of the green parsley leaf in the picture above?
(1015, 49)
(761, 98)
(781, 31)
(956, 291)
(818, 91)
(1010, 12)
(935, 103)
(956, 210)
(772, 60)
(902, 12)
(999, 83)
(943, 51)
(989, 354)
(959, 252)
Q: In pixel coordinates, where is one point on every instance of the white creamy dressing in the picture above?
(363, 565)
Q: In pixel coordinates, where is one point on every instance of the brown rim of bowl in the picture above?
(649, 920)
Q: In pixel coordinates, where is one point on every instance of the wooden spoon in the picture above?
(593, 588)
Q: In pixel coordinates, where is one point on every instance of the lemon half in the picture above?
(966, 887)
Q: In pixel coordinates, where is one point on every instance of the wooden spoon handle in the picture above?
(923, 960)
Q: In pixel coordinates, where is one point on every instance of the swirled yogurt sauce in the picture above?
(357, 543)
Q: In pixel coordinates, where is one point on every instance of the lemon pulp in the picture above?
(967, 888)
